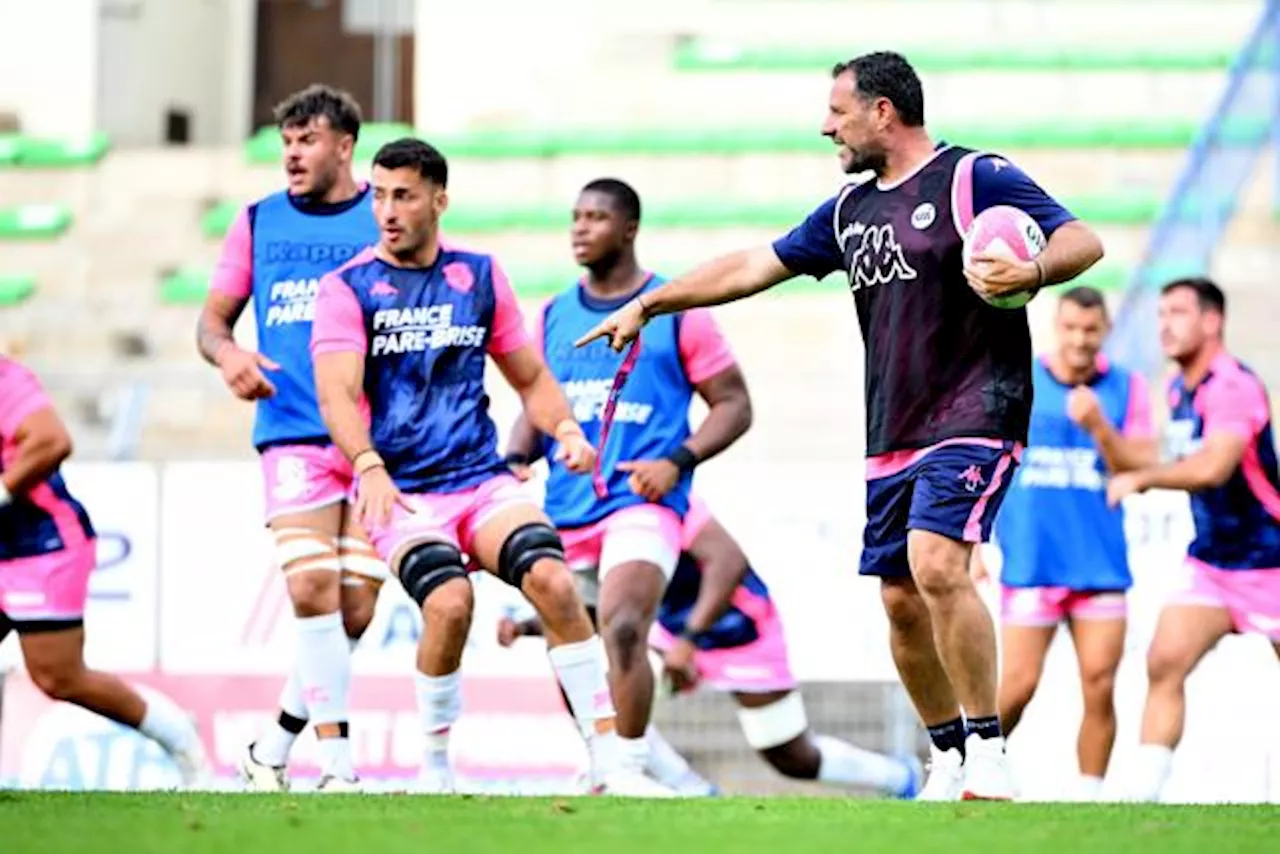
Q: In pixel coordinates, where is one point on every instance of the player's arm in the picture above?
(724, 565)
(229, 293)
(525, 444)
(809, 249)
(1072, 247)
(41, 439)
(711, 367)
(1235, 411)
(1126, 447)
(546, 408)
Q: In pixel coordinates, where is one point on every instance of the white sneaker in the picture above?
(261, 777)
(986, 770)
(627, 783)
(331, 784)
(193, 766)
(945, 776)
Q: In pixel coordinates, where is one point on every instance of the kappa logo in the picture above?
(383, 289)
(878, 260)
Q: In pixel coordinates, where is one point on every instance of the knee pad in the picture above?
(775, 724)
(305, 550)
(527, 545)
(427, 566)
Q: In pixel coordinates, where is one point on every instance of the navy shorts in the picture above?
(954, 490)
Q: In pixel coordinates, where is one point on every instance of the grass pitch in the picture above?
(51, 823)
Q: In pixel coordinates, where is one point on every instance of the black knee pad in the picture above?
(526, 546)
(428, 566)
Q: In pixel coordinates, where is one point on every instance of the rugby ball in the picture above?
(1005, 232)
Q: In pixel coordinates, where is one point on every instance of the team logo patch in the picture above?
(459, 277)
(972, 477)
(291, 478)
(923, 216)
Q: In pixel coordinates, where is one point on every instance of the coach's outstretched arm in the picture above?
(726, 279)
(545, 405)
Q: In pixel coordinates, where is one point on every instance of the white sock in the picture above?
(1088, 788)
(439, 707)
(167, 725)
(634, 753)
(581, 668)
(273, 746)
(324, 674)
(1151, 770)
(847, 765)
(671, 769)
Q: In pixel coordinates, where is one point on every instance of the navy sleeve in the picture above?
(996, 181)
(810, 249)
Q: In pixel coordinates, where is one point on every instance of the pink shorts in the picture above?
(1250, 596)
(644, 532)
(759, 667)
(1048, 606)
(299, 478)
(51, 588)
(451, 517)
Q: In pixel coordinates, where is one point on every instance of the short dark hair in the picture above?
(885, 74)
(412, 153)
(1085, 297)
(623, 195)
(1208, 295)
(316, 101)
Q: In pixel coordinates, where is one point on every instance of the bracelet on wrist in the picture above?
(366, 461)
(568, 427)
(683, 459)
(514, 459)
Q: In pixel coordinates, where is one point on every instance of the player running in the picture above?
(47, 552)
(275, 253)
(624, 530)
(1065, 558)
(1220, 433)
(948, 381)
(406, 325)
(718, 625)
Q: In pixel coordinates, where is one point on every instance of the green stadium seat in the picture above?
(16, 289)
(217, 220)
(185, 286)
(34, 222)
(264, 146)
(709, 55)
(8, 149)
(1102, 210)
(39, 153)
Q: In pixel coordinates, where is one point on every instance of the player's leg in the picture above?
(884, 555)
(957, 493)
(510, 536)
(1029, 620)
(1097, 623)
(638, 554)
(776, 725)
(51, 636)
(1184, 634)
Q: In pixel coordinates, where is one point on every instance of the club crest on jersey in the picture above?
(458, 276)
(972, 477)
(878, 260)
(923, 216)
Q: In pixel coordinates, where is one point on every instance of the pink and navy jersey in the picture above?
(1055, 528)
(748, 609)
(424, 334)
(940, 363)
(275, 253)
(46, 518)
(1237, 523)
(677, 352)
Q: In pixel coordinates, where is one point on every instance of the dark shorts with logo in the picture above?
(953, 489)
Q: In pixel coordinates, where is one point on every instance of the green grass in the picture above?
(387, 824)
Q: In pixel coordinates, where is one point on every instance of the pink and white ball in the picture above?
(1004, 231)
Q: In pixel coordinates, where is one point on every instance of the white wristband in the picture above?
(5, 497)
